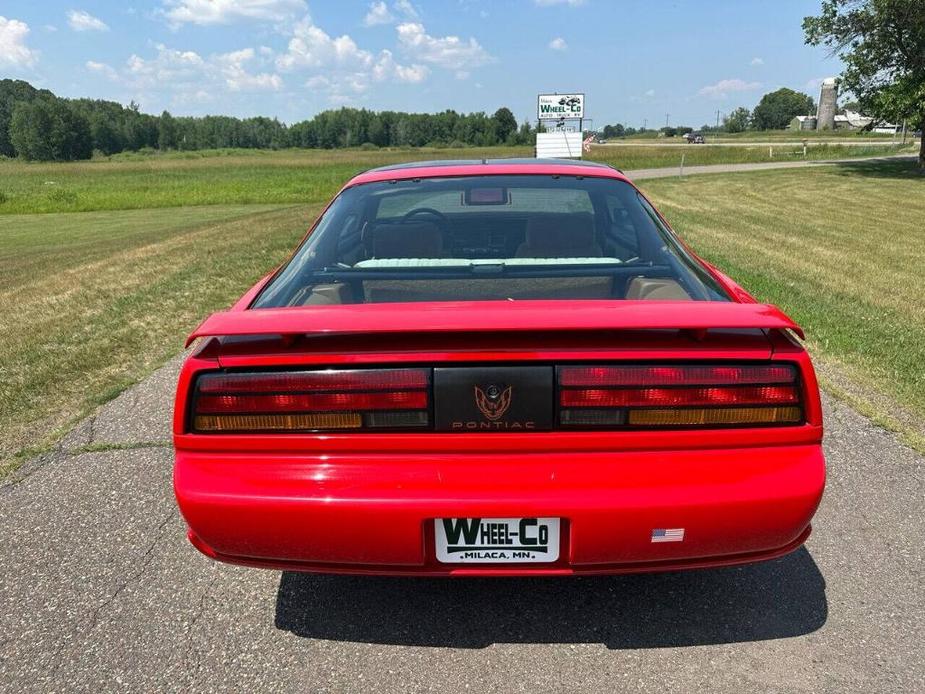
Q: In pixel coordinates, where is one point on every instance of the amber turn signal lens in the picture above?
(731, 415)
(278, 422)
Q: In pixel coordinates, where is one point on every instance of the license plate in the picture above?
(496, 540)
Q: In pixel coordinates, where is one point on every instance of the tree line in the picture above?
(37, 125)
(774, 112)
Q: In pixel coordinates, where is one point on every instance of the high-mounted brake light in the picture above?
(678, 395)
(312, 400)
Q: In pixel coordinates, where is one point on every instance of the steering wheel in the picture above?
(437, 215)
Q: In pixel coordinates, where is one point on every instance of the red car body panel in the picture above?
(365, 502)
(492, 316)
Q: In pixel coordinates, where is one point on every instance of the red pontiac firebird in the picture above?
(505, 367)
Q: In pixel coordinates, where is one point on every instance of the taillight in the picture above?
(678, 395)
(312, 400)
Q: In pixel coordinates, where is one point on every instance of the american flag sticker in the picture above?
(667, 534)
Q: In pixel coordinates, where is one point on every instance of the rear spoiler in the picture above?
(494, 316)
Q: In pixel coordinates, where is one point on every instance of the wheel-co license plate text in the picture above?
(497, 540)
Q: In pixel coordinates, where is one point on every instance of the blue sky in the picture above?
(636, 61)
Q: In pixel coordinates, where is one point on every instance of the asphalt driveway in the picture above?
(100, 591)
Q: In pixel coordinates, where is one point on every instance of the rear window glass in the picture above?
(454, 202)
(489, 238)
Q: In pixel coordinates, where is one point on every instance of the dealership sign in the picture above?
(556, 106)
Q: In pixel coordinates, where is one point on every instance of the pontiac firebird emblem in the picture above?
(494, 403)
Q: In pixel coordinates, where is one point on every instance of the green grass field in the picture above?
(91, 302)
(842, 250)
(297, 176)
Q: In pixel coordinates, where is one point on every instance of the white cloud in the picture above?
(558, 44)
(102, 69)
(13, 49)
(318, 82)
(757, 61)
(312, 47)
(650, 93)
(170, 66)
(232, 67)
(378, 14)
(348, 69)
(548, 3)
(723, 88)
(192, 78)
(404, 7)
(449, 52)
(411, 73)
(228, 11)
(79, 20)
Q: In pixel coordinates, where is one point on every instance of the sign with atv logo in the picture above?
(556, 106)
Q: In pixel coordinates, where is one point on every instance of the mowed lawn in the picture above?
(92, 302)
(222, 177)
(842, 250)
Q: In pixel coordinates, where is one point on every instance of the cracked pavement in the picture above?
(100, 591)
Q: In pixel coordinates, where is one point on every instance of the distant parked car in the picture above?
(695, 139)
(497, 368)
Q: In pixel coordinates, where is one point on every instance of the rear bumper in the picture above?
(373, 513)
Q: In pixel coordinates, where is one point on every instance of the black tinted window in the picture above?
(489, 237)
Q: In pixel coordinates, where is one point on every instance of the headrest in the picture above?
(565, 234)
(410, 240)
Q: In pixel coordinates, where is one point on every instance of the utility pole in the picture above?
(666, 119)
(717, 119)
(645, 123)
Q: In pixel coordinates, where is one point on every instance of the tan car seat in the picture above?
(565, 235)
(410, 240)
(658, 289)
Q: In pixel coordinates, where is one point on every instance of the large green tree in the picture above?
(505, 124)
(882, 43)
(29, 127)
(777, 109)
(11, 93)
(49, 129)
(166, 132)
(738, 120)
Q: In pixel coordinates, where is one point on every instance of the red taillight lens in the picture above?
(338, 380)
(312, 400)
(678, 395)
(619, 376)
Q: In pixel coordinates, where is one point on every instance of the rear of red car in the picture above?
(535, 436)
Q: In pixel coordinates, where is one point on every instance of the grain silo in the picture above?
(828, 102)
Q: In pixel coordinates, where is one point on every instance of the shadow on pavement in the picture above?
(776, 599)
